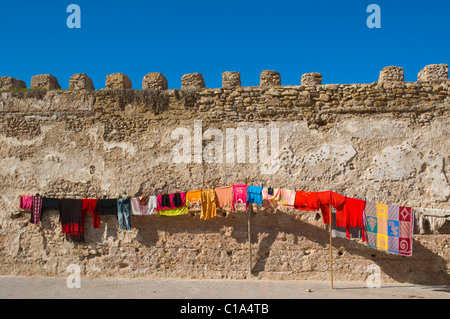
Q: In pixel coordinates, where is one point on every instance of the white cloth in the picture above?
(137, 208)
(436, 218)
(435, 222)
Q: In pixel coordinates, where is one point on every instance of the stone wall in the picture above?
(386, 141)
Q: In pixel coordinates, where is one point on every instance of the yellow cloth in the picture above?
(208, 204)
(174, 212)
(382, 219)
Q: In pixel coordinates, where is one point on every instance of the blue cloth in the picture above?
(123, 212)
(254, 194)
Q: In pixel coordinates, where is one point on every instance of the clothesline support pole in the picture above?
(331, 250)
(249, 225)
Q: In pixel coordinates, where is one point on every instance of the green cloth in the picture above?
(174, 212)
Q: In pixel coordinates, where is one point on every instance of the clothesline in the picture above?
(384, 227)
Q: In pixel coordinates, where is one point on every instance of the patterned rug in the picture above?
(390, 228)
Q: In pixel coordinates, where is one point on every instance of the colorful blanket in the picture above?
(390, 228)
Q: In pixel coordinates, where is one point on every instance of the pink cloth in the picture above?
(240, 195)
(271, 200)
(159, 205)
(286, 197)
(26, 202)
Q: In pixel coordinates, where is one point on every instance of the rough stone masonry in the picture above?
(386, 141)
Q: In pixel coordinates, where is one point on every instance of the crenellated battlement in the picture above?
(317, 103)
(434, 73)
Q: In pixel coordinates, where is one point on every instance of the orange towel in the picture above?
(224, 196)
(194, 198)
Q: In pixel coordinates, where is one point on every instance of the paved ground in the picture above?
(56, 288)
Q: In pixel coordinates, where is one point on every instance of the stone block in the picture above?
(312, 78)
(154, 81)
(270, 78)
(391, 74)
(192, 81)
(433, 73)
(8, 83)
(118, 81)
(81, 81)
(44, 81)
(231, 79)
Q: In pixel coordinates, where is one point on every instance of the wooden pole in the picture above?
(331, 249)
(249, 231)
(249, 224)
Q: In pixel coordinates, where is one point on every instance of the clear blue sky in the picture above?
(179, 37)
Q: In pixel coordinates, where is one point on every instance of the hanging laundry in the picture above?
(50, 204)
(337, 201)
(107, 206)
(194, 198)
(166, 201)
(270, 200)
(435, 218)
(177, 202)
(306, 201)
(36, 210)
(208, 204)
(143, 199)
(173, 212)
(90, 206)
(286, 197)
(353, 216)
(26, 202)
(72, 218)
(143, 206)
(435, 222)
(390, 228)
(344, 232)
(224, 196)
(123, 213)
(254, 195)
(239, 195)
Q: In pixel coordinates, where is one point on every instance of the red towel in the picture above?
(90, 205)
(353, 214)
(306, 201)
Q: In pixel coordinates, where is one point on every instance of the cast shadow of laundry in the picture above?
(108, 228)
(269, 227)
(423, 267)
(270, 230)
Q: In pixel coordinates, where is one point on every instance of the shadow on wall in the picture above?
(269, 228)
(420, 268)
(157, 102)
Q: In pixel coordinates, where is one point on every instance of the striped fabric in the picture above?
(36, 210)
